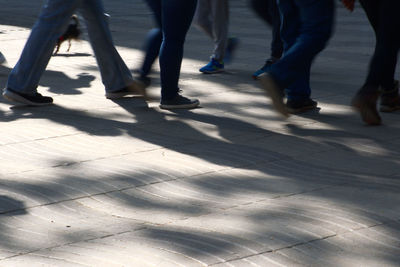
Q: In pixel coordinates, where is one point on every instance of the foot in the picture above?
(365, 104)
(214, 66)
(137, 88)
(264, 68)
(300, 106)
(179, 102)
(275, 93)
(34, 99)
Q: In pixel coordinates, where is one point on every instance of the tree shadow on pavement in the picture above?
(219, 189)
(260, 180)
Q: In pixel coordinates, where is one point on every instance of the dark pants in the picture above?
(173, 18)
(153, 39)
(383, 16)
(306, 28)
(268, 11)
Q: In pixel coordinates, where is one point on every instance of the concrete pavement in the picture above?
(94, 182)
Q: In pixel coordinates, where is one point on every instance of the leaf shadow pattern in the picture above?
(265, 199)
(211, 199)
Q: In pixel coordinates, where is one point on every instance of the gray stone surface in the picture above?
(94, 182)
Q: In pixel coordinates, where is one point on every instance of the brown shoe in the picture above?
(366, 105)
(136, 88)
(275, 93)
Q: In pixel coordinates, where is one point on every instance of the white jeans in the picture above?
(53, 21)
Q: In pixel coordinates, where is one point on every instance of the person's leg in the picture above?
(153, 39)
(204, 20)
(52, 22)
(177, 16)
(290, 29)
(202, 17)
(276, 43)
(269, 12)
(114, 72)
(383, 18)
(262, 9)
(220, 18)
(301, 44)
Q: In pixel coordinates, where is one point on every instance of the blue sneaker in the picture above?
(264, 68)
(214, 66)
(231, 47)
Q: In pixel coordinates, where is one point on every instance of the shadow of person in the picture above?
(8, 205)
(59, 83)
(179, 134)
(80, 120)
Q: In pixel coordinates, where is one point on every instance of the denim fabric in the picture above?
(306, 27)
(268, 11)
(383, 16)
(53, 21)
(153, 39)
(176, 17)
(151, 50)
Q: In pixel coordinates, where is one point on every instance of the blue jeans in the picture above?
(306, 28)
(268, 11)
(53, 21)
(175, 17)
(153, 39)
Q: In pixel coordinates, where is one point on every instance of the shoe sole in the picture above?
(186, 106)
(301, 110)
(212, 72)
(13, 97)
(136, 88)
(255, 77)
(274, 93)
(388, 109)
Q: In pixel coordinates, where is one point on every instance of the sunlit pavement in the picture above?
(94, 182)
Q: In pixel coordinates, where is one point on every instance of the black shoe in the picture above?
(274, 92)
(137, 88)
(179, 102)
(32, 100)
(300, 106)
